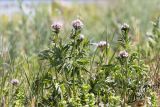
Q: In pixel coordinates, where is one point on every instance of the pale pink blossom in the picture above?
(77, 24)
(56, 26)
(123, 54)
(14, 82)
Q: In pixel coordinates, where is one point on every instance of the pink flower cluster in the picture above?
(102, 44)
(15, 82)
(77, 24)
(123, 54)
(56, 26)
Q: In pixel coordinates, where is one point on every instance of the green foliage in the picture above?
(77, 72)
(121, 82)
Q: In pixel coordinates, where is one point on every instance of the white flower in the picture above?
(14, 81)
(125, 27)
(102, 44)
(123, 54)
(77, 24)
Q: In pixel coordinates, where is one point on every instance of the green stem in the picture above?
(91, 65)
(124, 100)
(56, 74)
(74, 90)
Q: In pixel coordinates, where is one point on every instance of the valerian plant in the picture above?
(131, 75)
(68, 62)
(76, 77)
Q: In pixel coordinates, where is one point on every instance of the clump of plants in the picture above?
(80, 73)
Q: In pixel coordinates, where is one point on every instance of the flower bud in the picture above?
(81, 37)
(77, 24)
(14, 82)
(123, 54)
(125, 27)
(56, 26)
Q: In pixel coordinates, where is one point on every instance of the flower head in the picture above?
(15, 82)
(123, 54)
(125, 27)
(56, 26)
(77, 24)
(102, 44)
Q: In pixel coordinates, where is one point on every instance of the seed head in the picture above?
(123, 54)
(125, 27)
(15, 82)
(56, 26)
(77, 24)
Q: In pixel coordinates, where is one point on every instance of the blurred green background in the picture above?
(27, 33)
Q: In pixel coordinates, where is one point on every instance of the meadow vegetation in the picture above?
(81, 55)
